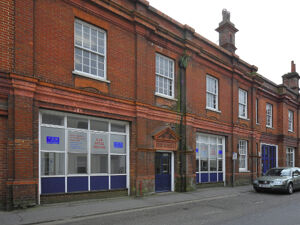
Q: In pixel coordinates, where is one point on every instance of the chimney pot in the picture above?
(293, 69)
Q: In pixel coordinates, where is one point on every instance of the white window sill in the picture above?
(244, 171)
(291, 131)
(257, 123)
(214, 110)
(90, 76)
(270, 127)
(244, 118)
(165, 96)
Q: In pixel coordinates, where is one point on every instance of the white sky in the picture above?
(269, 30)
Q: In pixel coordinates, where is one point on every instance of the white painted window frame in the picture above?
(269, 115)
(291, 120)
(214, 94)
(244, 105)
(164, 76)
(104, 55)
(290, 154)
(256, 111)
(243, 144)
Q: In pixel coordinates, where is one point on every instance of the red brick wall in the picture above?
(6, 34)
(3, 159)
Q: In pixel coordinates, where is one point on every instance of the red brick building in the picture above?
(113, 96)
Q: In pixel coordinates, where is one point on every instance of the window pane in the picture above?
(99, 143)
(220, 151)
(78, 34)
(52, 163)
(77, 123)
(86, 37)
(220, 165)
(99, 125)
(77, 142)
(52, 119)
(203, 151)
(118, 164)
(204, 165)
(77, 163)
(99, 163)
(213, 165)
(118, 128)
(118, 144)
(78, 59)
(52, 139)
(213, 151)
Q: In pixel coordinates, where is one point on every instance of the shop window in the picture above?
(209, 158)
(83, 151)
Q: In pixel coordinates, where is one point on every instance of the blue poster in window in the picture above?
(52, 140)
(197, 150)
(220, 152)
(118, 144)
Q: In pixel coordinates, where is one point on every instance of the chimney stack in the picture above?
(227, 32)
(291, 80)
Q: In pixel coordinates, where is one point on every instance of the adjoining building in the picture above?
(110, 97)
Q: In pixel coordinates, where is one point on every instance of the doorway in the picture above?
(163, 171)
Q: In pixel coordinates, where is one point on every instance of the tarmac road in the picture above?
(246, 208)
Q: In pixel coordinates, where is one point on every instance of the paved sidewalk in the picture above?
(68, 210)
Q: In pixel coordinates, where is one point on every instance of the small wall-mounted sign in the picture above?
(52, 140)
(118, 144)
(234, 156)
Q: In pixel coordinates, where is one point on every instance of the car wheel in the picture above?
(257, 189)
(290, 189)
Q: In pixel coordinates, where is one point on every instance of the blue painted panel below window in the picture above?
(53, 185)
(213, 177)
(197, 178)
(77, 184)
(99, 183)
(204, 177)
(220, 176)
(118, 182)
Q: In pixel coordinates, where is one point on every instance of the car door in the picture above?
(296, 177)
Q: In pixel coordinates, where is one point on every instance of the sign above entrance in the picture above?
(166, 140)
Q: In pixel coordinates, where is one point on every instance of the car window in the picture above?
(279, 172)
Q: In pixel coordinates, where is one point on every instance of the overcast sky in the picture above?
(269, 30)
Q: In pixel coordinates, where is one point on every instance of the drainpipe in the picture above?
(182, 129)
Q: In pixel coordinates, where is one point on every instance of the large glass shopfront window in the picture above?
(80, 153)
(210, 158)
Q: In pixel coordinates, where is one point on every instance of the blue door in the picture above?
(268, 157)
(162, 172)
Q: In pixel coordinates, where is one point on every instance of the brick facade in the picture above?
(36, 73)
